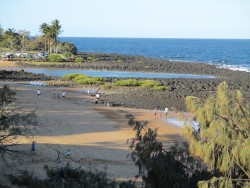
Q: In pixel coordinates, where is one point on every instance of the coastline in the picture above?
(179, 87)
(97, 135)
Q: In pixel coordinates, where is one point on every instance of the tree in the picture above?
(12, 123)
(67, 47)
(160, 168)
(1, 34)
(50, 34)
(25, 38)
(56, 30)
(13, 39)
(222, 139)
(46, 31)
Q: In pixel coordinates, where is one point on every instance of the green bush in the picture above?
(107, 85)
(149, 83)
(80, 77)
(79, 60)
(160, 88)
(67, 55)
(119, 61)
(87, 81)
(128, 82)
(55, 58)
(70, 76)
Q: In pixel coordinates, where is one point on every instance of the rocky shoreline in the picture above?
(149, 99)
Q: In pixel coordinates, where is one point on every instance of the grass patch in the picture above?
(161, 88)
(127, 82)
(149, 83)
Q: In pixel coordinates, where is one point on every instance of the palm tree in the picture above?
(56, 30)
(46, 31)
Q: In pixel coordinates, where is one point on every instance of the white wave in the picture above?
(234, 68)
(35, 83)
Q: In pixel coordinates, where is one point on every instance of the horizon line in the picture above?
(158, 38)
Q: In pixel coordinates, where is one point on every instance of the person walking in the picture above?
(166, 112)
(68, 153)
(63, 94)
(54, 92)
(38, 93)
(97, 98)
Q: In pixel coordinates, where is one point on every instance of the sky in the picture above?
(132, 18)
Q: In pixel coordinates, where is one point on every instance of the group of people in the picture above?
(54, 93)
(33, 151)
(165, 112)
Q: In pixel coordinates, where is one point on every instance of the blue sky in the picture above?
(132, 18)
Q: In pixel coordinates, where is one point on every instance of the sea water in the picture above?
(226, 53)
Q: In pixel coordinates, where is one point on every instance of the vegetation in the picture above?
(50, 35)
(12, 124)
(55, 58)
(149, 83)
(48, 42)
(127, 82)
(68, 177)
(222, 140)
(161, 88)
(83, 79)
(79, 60)
(160, 168)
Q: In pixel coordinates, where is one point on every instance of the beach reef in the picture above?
(149, 99)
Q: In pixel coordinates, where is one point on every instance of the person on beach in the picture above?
(38, 93)
(68, 153)
(54, 92)
(63, 94)
(155, 112)
(166, 112)
(33, 148)
(97, 97)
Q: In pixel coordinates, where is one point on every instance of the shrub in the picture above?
(107, 85)
(89, 80)
(67, 55)
(128, 82)
(70, 76)
(55, 58)
(160, 88)
(80, 77)
(149, 83)
(119, 61)
(79, 60)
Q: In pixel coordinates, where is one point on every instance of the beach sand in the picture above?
(96, 134)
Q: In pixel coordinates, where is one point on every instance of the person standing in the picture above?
(69, 153)
(97, 97)
(166, 112)
(54, 92)
(33, 148)
(38, 93)
(63, 94)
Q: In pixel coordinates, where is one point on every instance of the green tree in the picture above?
(67, 47)
(46, 31)
(160, 168)
(13, 39)
(24, 38)
(222, 139)
(56, 30)
(50, 34)
(1, 35)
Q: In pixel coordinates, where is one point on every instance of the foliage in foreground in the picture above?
(160, 168)
(222, 140)
(12, 124)
(68, 177)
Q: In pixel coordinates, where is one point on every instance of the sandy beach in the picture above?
(96, 134)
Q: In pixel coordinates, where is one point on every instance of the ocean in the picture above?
(226, 53)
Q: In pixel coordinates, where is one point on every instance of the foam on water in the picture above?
(181, 123)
